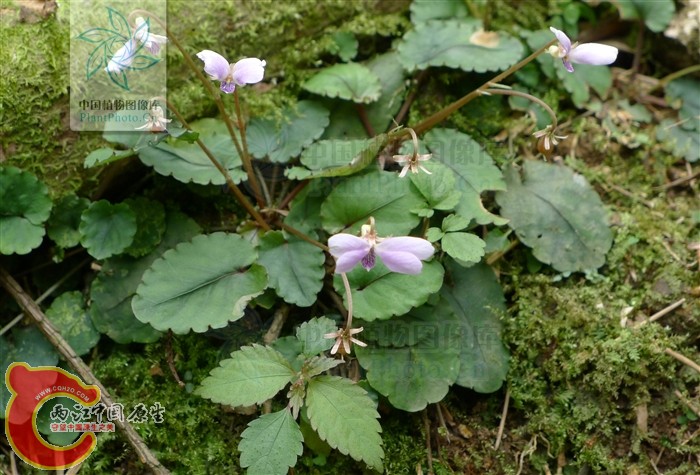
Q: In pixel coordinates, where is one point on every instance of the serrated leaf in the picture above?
(150, 225)
(464, 247)
(422, 373)
(556, 212)
(473, 169)
(295, 267)
(380, 194)
(300, 126)
(434, 234)
(107, 229)
(115, 285)
(24, 206)
(343, 415)
(351, 81)
(451, 43)
(381, 294)
(454, 222)
(477, 301)
(69, 316)
(271, 444)
(187, 162)
(214, 271)
(310, 334)
(344, 45)
(64, 222)
(656, 14)
(251, 375)
(320, 364)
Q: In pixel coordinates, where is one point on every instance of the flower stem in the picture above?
(245, 156)
(663, 82)
(441, 115)
(214, 94)
(348, 293)
(512, 92)
(229, 181)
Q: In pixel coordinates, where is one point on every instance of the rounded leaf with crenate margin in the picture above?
(107, 229)
(352, 81)
(215, 272)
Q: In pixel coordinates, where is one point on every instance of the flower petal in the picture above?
(593, 53)
(564, 40)
(420, 248)
(404, 254)
(567, 64)
(402, 262)
(215, 65)
(348, 250)
(248, 71)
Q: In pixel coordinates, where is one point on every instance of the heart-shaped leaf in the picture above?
(381, 294)
(383, 195)
(115, 285)
(24, 206)
(187, 162)
(458, 44)
(64, 222)
(107, 229)
(214, 271)
(352, 81)
(295, 267)
(300, 126)
(556, 212)
(473, 169)
(71, 319)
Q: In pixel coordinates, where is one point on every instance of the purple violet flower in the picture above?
(245, 71)
(587, 53)
(399, 254)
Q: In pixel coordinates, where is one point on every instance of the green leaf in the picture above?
(464, 247)
(333, 158)
(454, 222)
(381, 194)
(684, 143)
(656, 14)
(213, 272)
(434, 234)
(556, 212)
(107, 229)
(345, 122)
(103, 156)
(351, 81)
(251, 375)
(343, 415)
(300, 126)
(473, 169)
(381, 294)
(113, 132)
(477, 302)
(24, 206)
(424, 10)
(310, 334)
(188, 163)
(438, 188)
(417, 375)
(320, 364)
(585, 77)
(685, 90)
(457, 44)
(25, 344)
(295, 267)
(344, 45)
(64, 222)
(150, 225)
(115, 285)
(69, 316)
(305, 209)
(271, 444)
